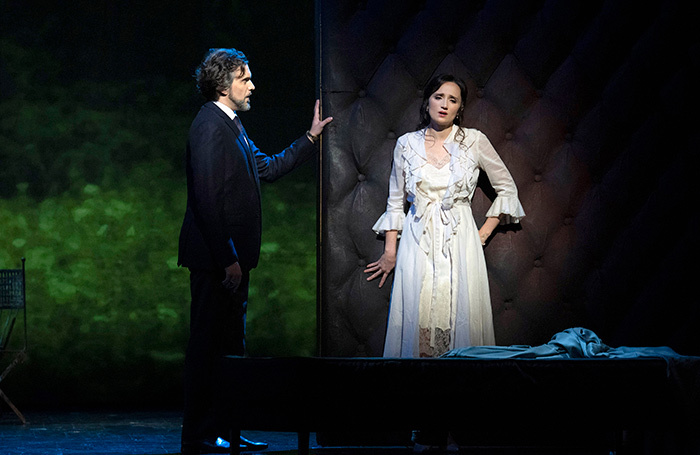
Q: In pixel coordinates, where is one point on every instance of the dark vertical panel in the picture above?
(590, 104)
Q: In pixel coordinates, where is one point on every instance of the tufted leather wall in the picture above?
(593, 107)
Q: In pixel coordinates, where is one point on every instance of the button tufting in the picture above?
(556, 111)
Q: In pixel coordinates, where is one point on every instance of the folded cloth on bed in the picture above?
(573, 343)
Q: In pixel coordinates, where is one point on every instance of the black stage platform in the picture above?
(563, 405)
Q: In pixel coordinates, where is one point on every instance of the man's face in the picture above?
(237, 97)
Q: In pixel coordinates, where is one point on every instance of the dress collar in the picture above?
(451, 136)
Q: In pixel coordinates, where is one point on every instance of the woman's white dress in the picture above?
(440, 297)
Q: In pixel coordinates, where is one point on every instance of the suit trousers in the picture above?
(217, 328)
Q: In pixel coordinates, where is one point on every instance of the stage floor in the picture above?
(127, 433)
(158, 432)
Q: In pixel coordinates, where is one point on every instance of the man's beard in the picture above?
(241, 105)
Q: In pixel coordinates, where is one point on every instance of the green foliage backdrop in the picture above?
(92, 193)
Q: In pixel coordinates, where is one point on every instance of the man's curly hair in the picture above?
(216, 72)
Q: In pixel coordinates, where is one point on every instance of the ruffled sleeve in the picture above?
(507, 206)
(389, 221)
(393, 218)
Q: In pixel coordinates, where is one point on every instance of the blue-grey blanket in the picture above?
(574, 343)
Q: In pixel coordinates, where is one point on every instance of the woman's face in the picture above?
(444, 104)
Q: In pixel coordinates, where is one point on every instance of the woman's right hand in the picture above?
(382, 267)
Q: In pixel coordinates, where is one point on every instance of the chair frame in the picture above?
(20, 354)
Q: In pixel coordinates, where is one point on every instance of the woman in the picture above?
(440, 297)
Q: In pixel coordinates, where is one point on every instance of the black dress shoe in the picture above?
(203, 447)
(245, 444)
(218, 446)
(221, 445)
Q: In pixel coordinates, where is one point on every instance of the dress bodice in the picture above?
(434, 183)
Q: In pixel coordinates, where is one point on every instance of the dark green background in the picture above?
(95, 102)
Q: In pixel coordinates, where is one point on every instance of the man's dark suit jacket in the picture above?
(222, 222)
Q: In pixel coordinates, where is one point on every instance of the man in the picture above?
(220, 235)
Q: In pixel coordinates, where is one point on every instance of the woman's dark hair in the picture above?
(432, 87)
(216, 72)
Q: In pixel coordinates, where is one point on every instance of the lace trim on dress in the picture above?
(439, 163)
(440, 345)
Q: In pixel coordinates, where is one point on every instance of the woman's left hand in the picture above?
(487, 229)
(483, 236)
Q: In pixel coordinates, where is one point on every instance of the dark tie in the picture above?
(241, 133)
(243, 138)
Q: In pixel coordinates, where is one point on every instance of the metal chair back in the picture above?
(12, 302)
